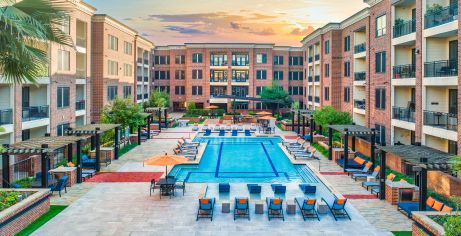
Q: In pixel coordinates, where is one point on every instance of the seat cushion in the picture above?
(437, 206)
(430, 201)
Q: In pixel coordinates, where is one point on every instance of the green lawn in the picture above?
(127, 148)
(54, 210)
(402, 233)
(321, 149)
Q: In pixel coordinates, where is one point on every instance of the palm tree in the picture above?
(26, 26)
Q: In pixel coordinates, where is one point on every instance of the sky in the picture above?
(175, 22)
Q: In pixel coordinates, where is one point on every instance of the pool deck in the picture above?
(127, 208)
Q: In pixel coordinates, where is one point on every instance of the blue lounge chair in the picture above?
(87, 162)
(207, 132)
(338, 208)
(408, 207)
(247, 133)
(307, 207)
(375, 174)
(370, 184)
(224, 187)
(205, 208)
(307, 188)
(60, 185)
(279, 188)
(234, 132)
(350, 164)
(254, 188)
(222, 132)
(242, 208)
(275, 208)
(363, 170)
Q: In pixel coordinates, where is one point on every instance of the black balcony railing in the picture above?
(218, 63)
(309, 98)
(240, 80)
(138, 96)
(139, 78)
(317, 78)
(440, 16)
(311, 59)
(80, 105)
(360, 48)
(218, 80)
(404, 28)
(240, 63)
(317, 57)
(442, 68)
(405, 114)
(360, 76)
(441, 120)
(309, 78)
(146, 95)
(317, 99)
(146, 78)
(403, 71)
(35, 113)
(6, 116)
(359, 104)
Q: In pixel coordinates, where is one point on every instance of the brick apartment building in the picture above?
(65, 92)
(199, 72)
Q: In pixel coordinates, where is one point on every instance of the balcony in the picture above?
(81, 73)
(138, 96)
(359, 104)
(240, 63)
(139, 78)
(317, 78)
(139, 60)
(309, 78)
(404, 71)
(311, 59)
(146, 96)
(443, 68)
(404, 28)
(146, 78)
(404, 114)
(309, 98)
(317, 57)
(440, 16)
(360, 48)
(218, 63)
(146, 61)
(6, 116)
(441, 120)
(80, 41)
(317, 99)
(80, 105)
(35, 113)
(218, 80)
(240, 80)
(360, 76)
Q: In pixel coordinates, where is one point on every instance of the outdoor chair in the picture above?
(375, 174)
(307, 207)
(207, 132)
(224, 187)
(87, 162)
(60, 185)
(307, 188)
(205, 127)
(167, 190)
(356, 163)
(222, 132)
(242, 208)
(234, 132)
(247, 133)
(240, 127)
(299, 142)
(181, 186)
(310, 155)
(279, 188)
(408, 207)
(254, 188)
(372, 184)
(152, 187)
(275, 208)
(195, 127)
(364, 170)
(190, 142)
(185, 144)
(338, 208)
(205, 208)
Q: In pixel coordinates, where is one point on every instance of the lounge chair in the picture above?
(254, 188)
(408, 207)
(217, 127)
(356, 163)
(228, 127)
(195, 127)
(205, 208)
(253, 127)
(310, 155)
(185, 144)
(338, 208)
(307, 188)
(207, 132)
(371, 184)
(188, 142)
(375, 174)
(247, 133)
(234, 132)
(279, 188)
(275, 208)
(242, 208)
(222, 132)
(205, 127)
(224, 187)
(87, 162)
(307, 207)
(299, 142)
(364, 170)
(187, 148)
(296, 148)
(60, 185)
(240, 127)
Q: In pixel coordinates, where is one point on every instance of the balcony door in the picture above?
(453, 101)
(25, 97)
(453, 50)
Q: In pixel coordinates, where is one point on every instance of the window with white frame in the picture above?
(127, 48)
(63, 60)
(112, 67)
(380, 25)
(261, 58)
(127, 70)
(113, 42)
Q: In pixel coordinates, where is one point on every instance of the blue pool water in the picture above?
(252, 159)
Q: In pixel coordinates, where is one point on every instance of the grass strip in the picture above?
(54, 210)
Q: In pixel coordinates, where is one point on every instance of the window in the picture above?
(218, 75)
(111, 92)
(127, 48)
(240, 91)
(327, 47)
(380, 25)
(197, 74)
(240, 60)
(126, 91)
(218, 90)
(218, 60)
(241, 105)
(327, 93)
(63, 60)
(112, 67)
(278, 60)
(347, 94)
(347, 43)
(295, 75)
(197, 58)
(261, 106)
(161, 75)
(347, 69)
(196, 90)
(381, 137)
(179, 90)
(162, 89)
(25, 134)
(180, 59)
(261, 74)
(295, 90)
(61, 129)
(380, 98)
(127, 70)
(327, 70)
(162, 60)
(63, 97)
(261, 58)
(113, 42)
(259, 89)
(295, 61)
(278, 75)
(180, 75)
(65, 27)
(380, 62)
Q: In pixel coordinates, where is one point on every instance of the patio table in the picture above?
(165, 183)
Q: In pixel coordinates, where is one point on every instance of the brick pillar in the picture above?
(419, 72)
(459, 82)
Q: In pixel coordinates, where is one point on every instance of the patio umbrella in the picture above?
(165, 160)
(212, 107)
(266, 118)
(263, 113)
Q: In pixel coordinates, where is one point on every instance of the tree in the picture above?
(1, 146)
(159, 99)
(26, 28)
(276, 92)
(295, 105)
(124, 112)
(328, 115)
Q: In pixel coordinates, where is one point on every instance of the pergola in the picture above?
(158, 110)
(422, 158)
(353, 131)
(305, 114)
(43, 146)
(94, 131)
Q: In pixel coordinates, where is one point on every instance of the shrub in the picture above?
(9, 198)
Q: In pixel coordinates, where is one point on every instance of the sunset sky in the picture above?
(283, 22)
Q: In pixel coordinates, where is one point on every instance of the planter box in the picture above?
(425, 226)
(23, 213)
(192, 119)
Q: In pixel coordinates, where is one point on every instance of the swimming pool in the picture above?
(249, 159)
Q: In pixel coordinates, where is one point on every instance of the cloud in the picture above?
(184, 30)
(302, 32)
(265, 31)
(128, 19)
(235, 25)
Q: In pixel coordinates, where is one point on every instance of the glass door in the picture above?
(453, 101)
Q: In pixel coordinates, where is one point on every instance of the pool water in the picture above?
(250, 159)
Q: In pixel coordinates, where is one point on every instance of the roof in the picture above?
(155, 109)
(421, 155)
(92, 127)
(355, 130)
(34, 146)
(228, 46)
